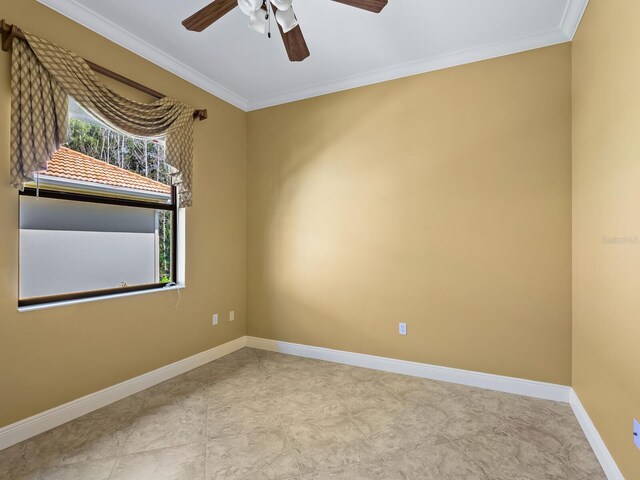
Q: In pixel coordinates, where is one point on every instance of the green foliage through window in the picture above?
(139, 155)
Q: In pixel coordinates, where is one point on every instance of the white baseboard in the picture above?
(605, 458)
(530, 388)
(32, 426)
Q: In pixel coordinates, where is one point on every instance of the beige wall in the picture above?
(442, 200)
(50, 357)
(606, 203)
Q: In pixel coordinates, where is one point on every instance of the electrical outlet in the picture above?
(232, 316)
(402, 328)
(636, 432)
(214, 320)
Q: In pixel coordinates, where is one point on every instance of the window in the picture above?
(102, 219)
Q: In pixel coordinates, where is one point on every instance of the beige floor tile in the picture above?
(264, 455)
(92, 437)
(279, 379)
(244, 356)
(280, 384)
(377, 470)
(304, 402)
(247, 416)
(388, 430)
(229, 385)
(121, 411)
(177, 392)
(94, 470)
(358, 397)
(16, 458)
(596, 476)
(563, 437)
(166, 427)
(288, 367)
(234, 368)
(456, 417)
(471, 422)
(283, 468)
(516, 408)
(200, 374)
(220, 395)
(331, 442)
(418, 388)
(346, 374)
(186, 462)
(436, 462)
(507, 456)
(267, 416)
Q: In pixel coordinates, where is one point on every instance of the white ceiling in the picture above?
(349, 47)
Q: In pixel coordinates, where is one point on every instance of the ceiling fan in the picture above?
(260, 12)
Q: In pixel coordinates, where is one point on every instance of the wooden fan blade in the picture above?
(209, 14)
(374, 6)
(295, 44)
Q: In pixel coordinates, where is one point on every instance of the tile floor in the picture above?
(258, 415)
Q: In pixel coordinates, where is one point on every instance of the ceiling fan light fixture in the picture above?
(248, 7)
(258, 21)
(282, 4)
(286, 19)
(259, 13)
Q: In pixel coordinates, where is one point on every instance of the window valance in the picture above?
(43, 75)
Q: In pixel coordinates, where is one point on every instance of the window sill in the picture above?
(65, 303)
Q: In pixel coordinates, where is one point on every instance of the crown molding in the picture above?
(572, 17)
(77, 12)
(449, 60)
(80, 14)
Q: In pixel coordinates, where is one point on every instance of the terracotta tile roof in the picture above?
(67, 163)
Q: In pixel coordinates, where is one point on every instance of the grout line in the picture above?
(113, 467)
(289, 444)
(206, 428)
(129, 430)
(156, 449)
(279, 420)
(118, 457)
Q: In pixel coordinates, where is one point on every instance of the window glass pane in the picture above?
(69, 247)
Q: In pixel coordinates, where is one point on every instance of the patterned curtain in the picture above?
(43, 74)
(39, 109)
